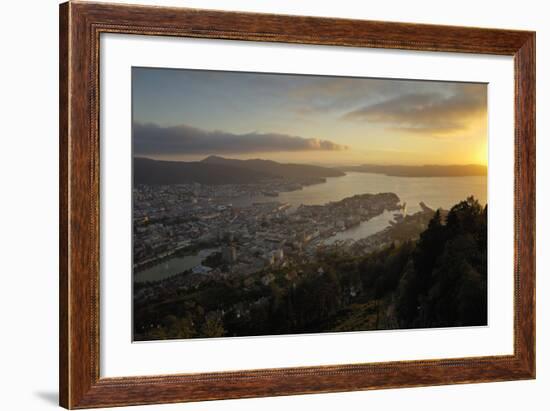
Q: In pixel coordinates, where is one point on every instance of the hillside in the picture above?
(218, 170)
(153, 172)
(276, 169)
(439, 280)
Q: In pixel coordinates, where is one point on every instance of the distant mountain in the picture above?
(218, 170)
(421, 171)
(154, 172)
(276, 169)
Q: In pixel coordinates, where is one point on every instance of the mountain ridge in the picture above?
(215, 170)
(284, 170)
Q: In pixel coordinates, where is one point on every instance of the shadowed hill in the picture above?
(218, 170)
(153, 172)
(276, 169)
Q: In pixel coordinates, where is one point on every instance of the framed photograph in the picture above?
(258, 205)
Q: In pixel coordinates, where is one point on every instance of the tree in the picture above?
(174, 327)
(447, 285)
(407, 298)
(212, 327)
(429, 247)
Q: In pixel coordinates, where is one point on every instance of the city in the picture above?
(187, 218)
(248, 248)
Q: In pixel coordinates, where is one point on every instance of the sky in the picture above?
(187, 115)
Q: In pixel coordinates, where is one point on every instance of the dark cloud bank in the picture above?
(152, 139)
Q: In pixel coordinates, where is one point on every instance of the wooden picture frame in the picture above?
(80, 27)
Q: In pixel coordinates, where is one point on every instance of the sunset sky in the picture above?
(190, 114)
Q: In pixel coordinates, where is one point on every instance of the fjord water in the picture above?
(172, 266)
(435, 192)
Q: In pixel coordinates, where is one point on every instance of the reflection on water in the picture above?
(365, 229)
(173, 266)
(435, 192)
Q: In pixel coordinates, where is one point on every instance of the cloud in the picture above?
(427, 112)
(336, 95)
(151, 139)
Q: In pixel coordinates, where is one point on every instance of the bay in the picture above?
(435, 192)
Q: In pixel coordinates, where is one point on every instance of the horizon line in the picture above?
(145, 157)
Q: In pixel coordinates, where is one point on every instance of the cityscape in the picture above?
(179, 218)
